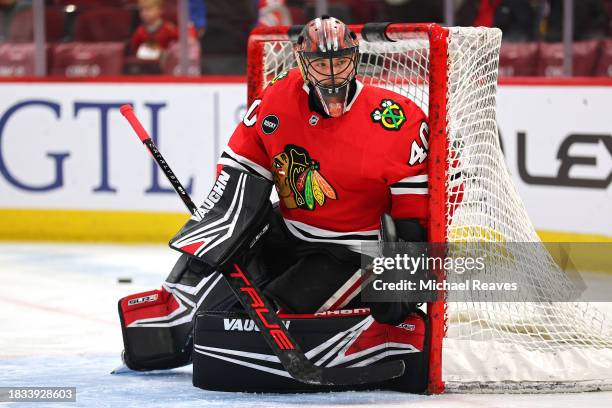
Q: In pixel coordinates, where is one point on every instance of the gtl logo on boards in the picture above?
(56, 174)
(599, 162)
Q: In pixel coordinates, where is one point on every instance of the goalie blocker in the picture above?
(229, 352)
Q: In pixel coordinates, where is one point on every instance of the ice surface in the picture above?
(59, 327)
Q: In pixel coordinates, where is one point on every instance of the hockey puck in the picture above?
(124, 280)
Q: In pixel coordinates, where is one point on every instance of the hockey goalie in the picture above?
(342, 156)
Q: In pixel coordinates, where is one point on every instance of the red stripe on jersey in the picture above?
(410, 206)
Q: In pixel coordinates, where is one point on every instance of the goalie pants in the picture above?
(300, 277)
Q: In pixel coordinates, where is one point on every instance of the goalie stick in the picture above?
(261, 311)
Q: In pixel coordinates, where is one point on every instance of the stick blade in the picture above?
(311, 374)
(364, 375)
(122, 369)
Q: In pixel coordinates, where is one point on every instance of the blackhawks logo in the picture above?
(279, 77)
(298, 181)
(390, 115)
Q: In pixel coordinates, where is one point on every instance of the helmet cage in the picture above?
(341, 68)
(332, 84)
(327, 53)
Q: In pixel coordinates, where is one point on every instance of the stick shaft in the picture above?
(128, 112)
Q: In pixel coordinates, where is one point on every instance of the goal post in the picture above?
(451, 73)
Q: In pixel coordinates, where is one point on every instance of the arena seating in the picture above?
(22, 26)
(584, 59)
(604, 64)
(102, 27)
(608, 7)
(88, 59)
(17, 59)
(171, 63)
(104, 24)
(519, 59)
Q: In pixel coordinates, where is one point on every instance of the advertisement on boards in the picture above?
(65, 147)
(557, 141)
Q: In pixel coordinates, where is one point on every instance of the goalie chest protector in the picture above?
(337, 175)
(230, 354)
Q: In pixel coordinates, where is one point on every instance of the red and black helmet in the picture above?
(327, 53)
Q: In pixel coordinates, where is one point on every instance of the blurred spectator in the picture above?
(197, 14)
(224, 46)
(340, 9)
(486, 13)
(8, 9)
(154, 35)
(516, 18)
(590, 20)
(273, 13)
(414, 11)
(476, 13)
(228, 25)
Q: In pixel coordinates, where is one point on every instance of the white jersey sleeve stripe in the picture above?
(402, 191)
(262, 171)
(353, 240)
(422, 178)
(231, 163)
(323, 233)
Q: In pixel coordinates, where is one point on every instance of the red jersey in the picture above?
(335, 176)
(162, 37)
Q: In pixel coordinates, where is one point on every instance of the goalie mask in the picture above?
(327, 52)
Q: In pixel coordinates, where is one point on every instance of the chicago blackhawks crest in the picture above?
(298, 181)
(390, 115)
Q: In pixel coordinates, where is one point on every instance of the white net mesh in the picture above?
(536, 346)
(509, 346)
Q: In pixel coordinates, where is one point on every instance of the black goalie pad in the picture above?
(230, 354)
(232, 219)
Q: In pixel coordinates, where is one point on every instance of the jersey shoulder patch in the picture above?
(277, 78)
(389, 114)
(285, 90)
(286, 81)
(389, 109)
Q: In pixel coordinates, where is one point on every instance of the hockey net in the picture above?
(477, 346)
